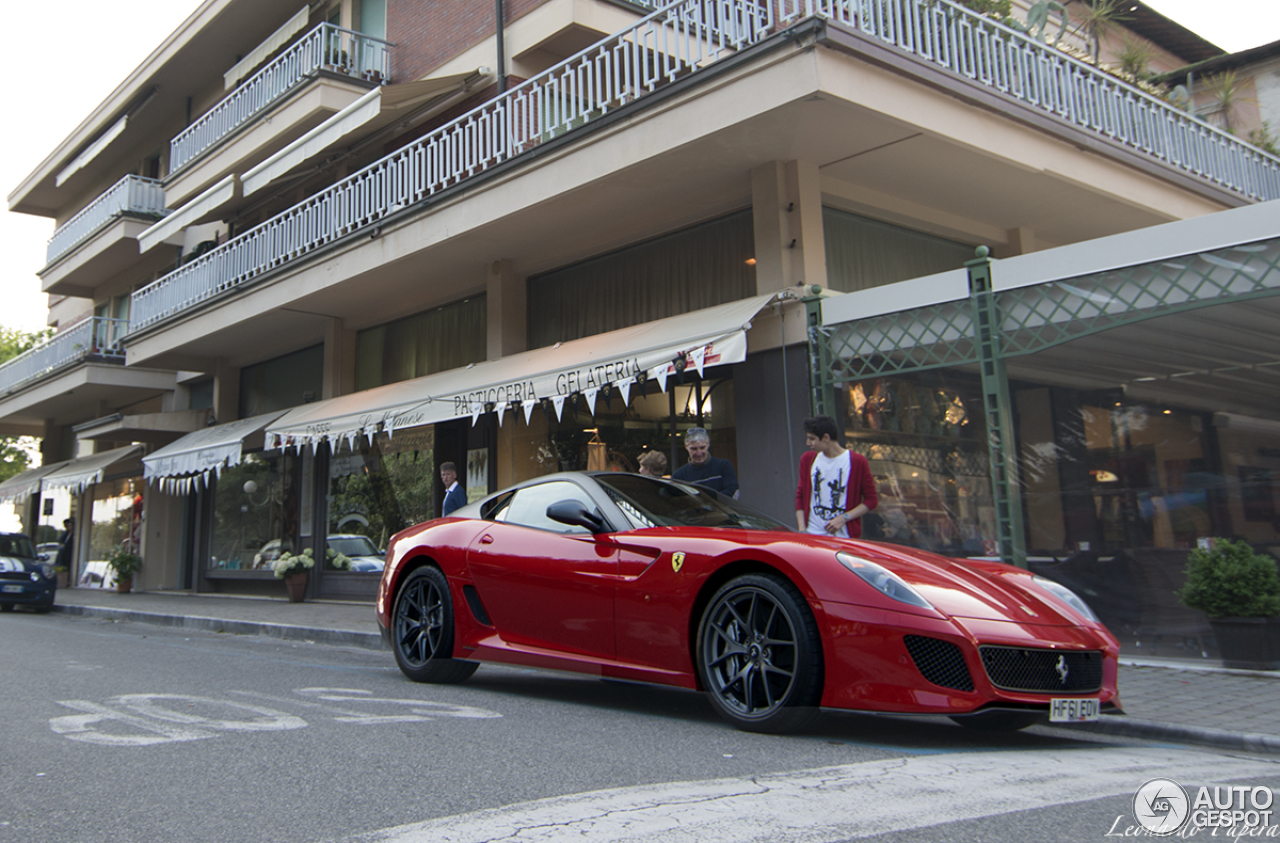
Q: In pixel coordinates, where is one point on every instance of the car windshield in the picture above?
(17, 546)
(651, 502)
(354, 546)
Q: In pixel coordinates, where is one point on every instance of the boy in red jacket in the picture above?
(836, 488)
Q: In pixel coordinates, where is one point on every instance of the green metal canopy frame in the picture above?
(993, 325)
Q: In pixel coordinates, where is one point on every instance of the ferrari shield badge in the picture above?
(677, 561)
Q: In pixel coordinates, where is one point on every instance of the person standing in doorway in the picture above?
(66, 545)
(454, 496)
(836, 487)
(703, 469)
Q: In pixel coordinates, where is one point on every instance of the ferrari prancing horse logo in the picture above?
(677, 561)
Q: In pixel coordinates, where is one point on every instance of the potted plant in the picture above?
(293, 568)
(124, 564)
(1240, 592)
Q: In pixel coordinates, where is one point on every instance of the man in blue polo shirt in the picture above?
(712, 472)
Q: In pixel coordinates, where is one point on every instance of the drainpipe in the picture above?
(502, 59)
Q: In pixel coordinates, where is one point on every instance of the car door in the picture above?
(546, 584)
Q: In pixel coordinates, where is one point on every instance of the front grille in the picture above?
(941, 662)
(14, 575)
(1042, 671)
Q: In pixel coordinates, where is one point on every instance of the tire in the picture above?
(422, 630)
(44, 608)
(1000, 721)
(759, 655)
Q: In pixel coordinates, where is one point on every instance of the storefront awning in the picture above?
(24, 484)
(195, 455)
(619, 359)
(85, 471)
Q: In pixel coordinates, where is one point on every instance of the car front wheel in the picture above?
(759, 654)
(422, 630)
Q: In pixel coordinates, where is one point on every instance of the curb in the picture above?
(1156, 730)
(342, 637)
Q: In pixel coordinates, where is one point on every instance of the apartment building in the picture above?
(305, 254)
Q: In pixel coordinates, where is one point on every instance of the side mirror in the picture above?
(575, 514)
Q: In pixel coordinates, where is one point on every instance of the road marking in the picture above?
(832, 803)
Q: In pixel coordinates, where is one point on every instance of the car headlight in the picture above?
(48, 571)
(883, 580)
(1066, 595)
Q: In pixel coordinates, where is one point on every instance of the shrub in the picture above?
(1231, 581)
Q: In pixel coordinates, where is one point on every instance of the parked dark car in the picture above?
(25, 579)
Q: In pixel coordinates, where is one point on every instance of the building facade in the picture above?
(304, 256)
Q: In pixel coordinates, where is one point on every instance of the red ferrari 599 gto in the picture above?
(644, 579)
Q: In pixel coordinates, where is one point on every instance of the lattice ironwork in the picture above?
(1044, 315)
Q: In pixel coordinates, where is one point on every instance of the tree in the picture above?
(16, 452)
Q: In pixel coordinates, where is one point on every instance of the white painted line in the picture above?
(831, 803)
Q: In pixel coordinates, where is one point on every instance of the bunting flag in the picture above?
(558, 402)
(501, 410)
(476, 409)
(624, 386)
(661, 374)
(699, 358)
(528, 409)
(590, 395)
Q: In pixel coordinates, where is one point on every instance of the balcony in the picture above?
(327, 47)
(133, 195)
(689, 38)
(97, 338)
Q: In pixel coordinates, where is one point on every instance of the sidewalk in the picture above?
(1164, 699)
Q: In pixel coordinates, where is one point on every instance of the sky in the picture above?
(60, 80)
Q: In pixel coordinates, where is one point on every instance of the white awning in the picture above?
(24, 484)
(86, 471)
(195, 455)
(711, 337)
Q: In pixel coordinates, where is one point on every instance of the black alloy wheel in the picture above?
(759, 654)
(422, 630)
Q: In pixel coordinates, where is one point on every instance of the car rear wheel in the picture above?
(759, 654)
(1000, 721)
(422, 630)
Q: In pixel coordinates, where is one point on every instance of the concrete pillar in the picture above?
(339, 359)
(786, 199)
(506, 300)
(1022, 241)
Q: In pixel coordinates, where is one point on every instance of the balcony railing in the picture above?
(325, 47)
(98, 337)
(654, 52)
(130, 195)
(975, 47)
(676, 41)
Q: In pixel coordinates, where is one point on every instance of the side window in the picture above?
(496, 509)
(528, 507)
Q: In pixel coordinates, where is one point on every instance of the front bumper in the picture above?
(28, 592)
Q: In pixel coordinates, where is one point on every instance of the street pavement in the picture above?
(1171, 700)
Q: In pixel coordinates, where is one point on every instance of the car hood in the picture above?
(16, 564)
(969, 588)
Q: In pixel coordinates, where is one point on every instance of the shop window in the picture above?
(117, 523)
(445, 338)
(925, 439)
(258, 509)
(692, 269)
(863, 253)
(377, 489)
(282, 383)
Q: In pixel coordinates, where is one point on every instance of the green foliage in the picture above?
(289, 564)
(1231, 581)
(1265, 139)
(1135, 58)
(999, 9)
(1099, 19)
(1228, 96)
(124, 563)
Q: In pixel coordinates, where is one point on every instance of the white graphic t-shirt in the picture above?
(830, 487)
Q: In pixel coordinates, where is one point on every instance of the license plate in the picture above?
(1074, 710)
(13, 589)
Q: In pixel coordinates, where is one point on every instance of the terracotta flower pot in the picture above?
(124, 585)
(297, 586)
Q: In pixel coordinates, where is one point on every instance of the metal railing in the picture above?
(325, 47)
(947, 34)
(132, 194)
(96, 337)
(654, 52)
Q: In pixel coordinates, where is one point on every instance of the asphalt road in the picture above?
(127, 732)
